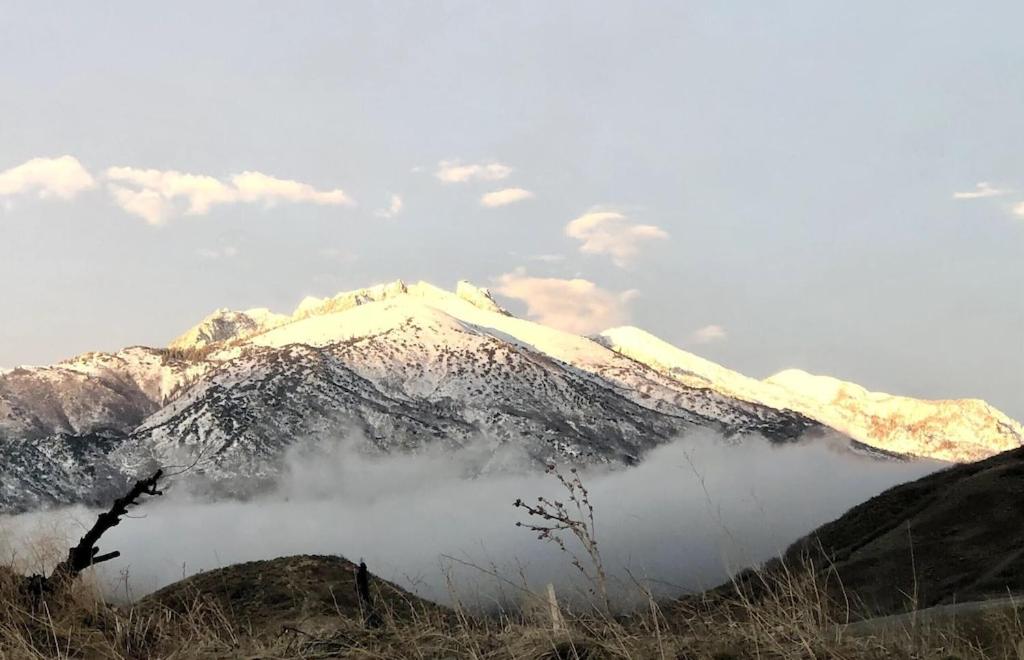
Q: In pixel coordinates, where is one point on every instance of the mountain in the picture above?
(961, 430)
(399, 366)
(402, 365)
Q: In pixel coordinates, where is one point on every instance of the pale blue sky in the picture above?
(802, 158)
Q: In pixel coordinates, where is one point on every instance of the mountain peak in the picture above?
(478, 296)
(225, 325)
(345, 300)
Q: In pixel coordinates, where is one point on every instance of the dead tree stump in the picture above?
(86, 553)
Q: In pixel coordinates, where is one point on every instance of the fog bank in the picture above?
(682, 520)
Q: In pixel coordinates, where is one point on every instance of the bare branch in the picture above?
(553, 517)
(86, 553)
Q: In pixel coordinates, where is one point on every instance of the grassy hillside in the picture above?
(266, 596)
(301, 607)
(954, 536)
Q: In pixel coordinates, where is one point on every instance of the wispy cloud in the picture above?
(338, 254)
(546, 258)
(505, 197)
(1019, 209)
(577, 305)
(218, 253)
(981, 190)
(259, 187)
(62, 177)
(158, 195)
(452, 171)
(613, 234)
(393, 209)
(708, 334)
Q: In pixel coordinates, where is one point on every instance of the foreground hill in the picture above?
(953, 536)
(301, 607)
(403, 365)
(308, 590)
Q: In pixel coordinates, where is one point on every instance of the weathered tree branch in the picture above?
(86, 553)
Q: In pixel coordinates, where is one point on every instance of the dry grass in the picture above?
(784, 614)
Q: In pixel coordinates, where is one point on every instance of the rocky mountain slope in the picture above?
(398, 366)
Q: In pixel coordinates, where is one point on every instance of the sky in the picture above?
(837, 187)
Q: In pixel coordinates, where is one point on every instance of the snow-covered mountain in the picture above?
(961, 430)
(401, 366)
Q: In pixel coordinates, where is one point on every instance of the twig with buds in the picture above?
(555, 518)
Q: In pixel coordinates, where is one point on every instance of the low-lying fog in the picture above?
(682, 520)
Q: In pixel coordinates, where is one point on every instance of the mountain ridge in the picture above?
(899, 424)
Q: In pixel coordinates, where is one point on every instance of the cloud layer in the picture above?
(688, 515)
(577, 305)
(612, 233)
(62, 177)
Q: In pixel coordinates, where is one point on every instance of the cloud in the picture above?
(505, 197)
(259, 187)
(223, 253)
(393, 209)
(981, 189)
(147, 204)
(577, 305)
(612, 233)
(157, 195)
(152, 194)
(708, 334)
(1019, 209)
(201, 191)
(452, 171)
(546, 258)
(62, 177)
